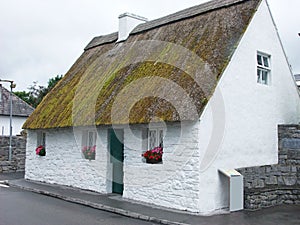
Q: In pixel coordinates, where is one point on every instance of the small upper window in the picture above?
(0, 93)
(263, 69)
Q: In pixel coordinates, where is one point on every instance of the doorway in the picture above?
(117, 159)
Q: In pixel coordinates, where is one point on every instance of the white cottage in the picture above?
(20, 112)
(209, 84)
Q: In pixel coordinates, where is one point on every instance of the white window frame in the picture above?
(41, 139)
(89, 138)
(263, 73)
(159, 137)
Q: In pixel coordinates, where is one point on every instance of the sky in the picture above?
(40, 39)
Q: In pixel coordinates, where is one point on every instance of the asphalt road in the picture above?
(19, 207)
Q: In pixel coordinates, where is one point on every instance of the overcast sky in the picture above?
(40, 39)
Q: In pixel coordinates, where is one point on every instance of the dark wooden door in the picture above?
(117, 159)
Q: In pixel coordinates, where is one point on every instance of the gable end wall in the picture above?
(252, 111)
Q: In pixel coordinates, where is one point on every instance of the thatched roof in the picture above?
(168, 69)
(19, 107)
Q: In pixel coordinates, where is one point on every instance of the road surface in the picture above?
(18, 207)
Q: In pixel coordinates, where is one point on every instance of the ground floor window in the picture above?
(41, 139)
(41, 144)
(88, 144)
(155, 138)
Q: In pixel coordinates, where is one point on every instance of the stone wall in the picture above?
(272, 185)
(18, 154)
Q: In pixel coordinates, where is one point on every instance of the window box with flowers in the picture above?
(154, 155)
(89, 152)
(40, 150)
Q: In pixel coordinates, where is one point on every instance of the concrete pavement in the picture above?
(288, 215)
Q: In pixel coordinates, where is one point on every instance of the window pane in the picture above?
(259, 60)
(39, 138)
(84, 138)
(264, 77)
(258, 76)
(161, 138)
(266, 61)
(44, 139)
(152, 139)
(91, 139)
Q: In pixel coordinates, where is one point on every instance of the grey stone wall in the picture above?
(272, 185)
(18, 154)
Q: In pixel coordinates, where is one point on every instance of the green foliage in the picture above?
(53, 81)
(25, 96)
(37, 92)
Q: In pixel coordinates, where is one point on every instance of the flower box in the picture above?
(41, 150)
(153, 161)
(154, 155)
(89, 152)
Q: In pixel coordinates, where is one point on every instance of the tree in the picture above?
(37, 92)
(23, 95)
(53, 81)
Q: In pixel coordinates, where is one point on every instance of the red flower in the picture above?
(40, 150)
(89, 152)
(155, 153)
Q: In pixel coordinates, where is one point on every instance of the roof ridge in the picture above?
(184, 14)
(102, 39)
(180, 15)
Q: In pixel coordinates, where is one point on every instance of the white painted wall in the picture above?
(64, 164)
(17, 123)
(252, 111)
(174, 183)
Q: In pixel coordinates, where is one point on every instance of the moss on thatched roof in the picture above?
(166, 70)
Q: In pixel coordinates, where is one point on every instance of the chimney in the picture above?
(127, 22)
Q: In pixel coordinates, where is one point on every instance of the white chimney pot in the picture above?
(127, 22)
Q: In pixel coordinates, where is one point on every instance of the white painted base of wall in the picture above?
(173, 184)
(64, 164)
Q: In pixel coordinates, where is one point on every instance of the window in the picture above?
(263, 69)
(155, 138)
(88, 144)
(41, 139)
(89, 138)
